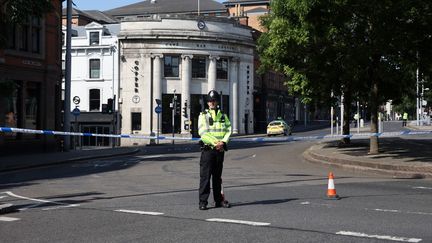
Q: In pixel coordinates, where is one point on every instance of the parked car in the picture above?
(278, 127)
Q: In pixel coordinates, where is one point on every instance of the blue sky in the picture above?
(103, 5)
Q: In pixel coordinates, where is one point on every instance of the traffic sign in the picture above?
(76, 100)
(76, 111)
(158, 109)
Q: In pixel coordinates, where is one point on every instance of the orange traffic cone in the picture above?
(331, 191)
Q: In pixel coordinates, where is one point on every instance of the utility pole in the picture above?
(198, 7)
(331, 116)
(358, 117)
(342, 113)
(417, 97)
(67, 97)
(174, 103)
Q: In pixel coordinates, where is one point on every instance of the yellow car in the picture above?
(278, 127)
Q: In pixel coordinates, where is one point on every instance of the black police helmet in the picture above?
(213, 96)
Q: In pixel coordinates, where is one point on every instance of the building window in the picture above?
(136, 121)
(94, 68)
(26, 37)
(23, 40)
(171, 66)
(94, 98)
(94, 38)
(11, 36)
(11, 107)
(36, 30)
(222, 68)
(198, 67)
(32, 105)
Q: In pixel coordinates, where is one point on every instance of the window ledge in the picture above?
(94, 79)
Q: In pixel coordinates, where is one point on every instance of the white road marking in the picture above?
(420, 213)
(399, 211)
(422, 187)
(137, 212)
(28, 198)
(253, 156)
(3, 197)
(150, 156)
(387, 210)
(238, 222)
(381, 237)
(41, 201)
(8, 219)
(375, 209)
(59, 207)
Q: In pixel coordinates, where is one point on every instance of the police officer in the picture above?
(214, 127)
(404, 119)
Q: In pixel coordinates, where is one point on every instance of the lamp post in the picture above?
(417, 97)
(67, 91)
(174, 101)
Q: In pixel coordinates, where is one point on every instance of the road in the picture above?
(152, 197)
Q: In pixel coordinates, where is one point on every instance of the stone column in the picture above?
(185, 98)
(212, 73)
(234, 94)
(157, 88)
(145, 101)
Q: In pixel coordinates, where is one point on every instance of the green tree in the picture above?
(361, 48)
(16, 12)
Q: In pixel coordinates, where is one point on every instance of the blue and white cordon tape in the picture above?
(239, 139)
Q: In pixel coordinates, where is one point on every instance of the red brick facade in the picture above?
(30, 65)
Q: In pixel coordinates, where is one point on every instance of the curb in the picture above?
(76, 159)
(413, 172)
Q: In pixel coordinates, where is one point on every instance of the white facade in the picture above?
(204, 54)
(94, 65)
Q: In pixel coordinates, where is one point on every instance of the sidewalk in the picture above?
(405, 157)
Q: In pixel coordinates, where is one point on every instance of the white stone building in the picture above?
(188, 56)
(94, 77)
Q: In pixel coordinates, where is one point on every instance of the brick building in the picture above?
(30, 79)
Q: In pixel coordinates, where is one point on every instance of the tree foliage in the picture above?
(361, 48)
(17, 12)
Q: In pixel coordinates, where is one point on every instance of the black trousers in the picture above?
(211, 165)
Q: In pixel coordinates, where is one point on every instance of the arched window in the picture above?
(94, 100)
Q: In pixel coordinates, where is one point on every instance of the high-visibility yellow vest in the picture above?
(405, 116)
(213, 127)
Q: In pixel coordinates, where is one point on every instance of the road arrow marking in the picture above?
(381, 237)
(233, 221)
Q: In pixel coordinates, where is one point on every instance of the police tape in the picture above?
(237, 139)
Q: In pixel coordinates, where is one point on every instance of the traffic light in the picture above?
(110, 106)
(177, 107)
(185, 110)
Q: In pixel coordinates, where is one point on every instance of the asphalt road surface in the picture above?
(152, 197)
